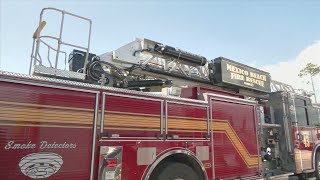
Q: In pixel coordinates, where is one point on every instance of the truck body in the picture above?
(52, 129)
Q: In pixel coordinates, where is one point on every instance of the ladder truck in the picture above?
(150, 111)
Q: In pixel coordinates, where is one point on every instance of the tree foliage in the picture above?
(310, 69)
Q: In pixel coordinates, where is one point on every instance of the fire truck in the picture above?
(149, 111)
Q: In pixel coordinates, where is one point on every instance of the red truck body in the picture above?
(60, 121)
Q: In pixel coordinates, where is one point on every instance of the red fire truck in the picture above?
(152, 112)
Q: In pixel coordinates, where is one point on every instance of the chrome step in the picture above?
(280, 177)
(251, 178)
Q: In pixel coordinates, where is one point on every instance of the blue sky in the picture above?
(259, 33)
(247, 31)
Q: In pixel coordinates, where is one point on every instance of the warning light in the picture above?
(109, 162)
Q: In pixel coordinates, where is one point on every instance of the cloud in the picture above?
(287, 71)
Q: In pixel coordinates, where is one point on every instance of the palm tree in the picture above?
(311, 70)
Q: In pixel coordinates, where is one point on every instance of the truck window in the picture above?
(301, 111)
(300, 102)
(314, 116)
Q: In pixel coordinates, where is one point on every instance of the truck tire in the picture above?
(317, 166)
(174, 171)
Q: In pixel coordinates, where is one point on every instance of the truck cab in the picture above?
(289, 132)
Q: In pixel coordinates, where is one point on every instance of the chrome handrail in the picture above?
(38, 40)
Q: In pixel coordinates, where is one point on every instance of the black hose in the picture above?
(95, 71)
(117, 70)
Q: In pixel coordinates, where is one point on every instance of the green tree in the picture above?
(310, 70)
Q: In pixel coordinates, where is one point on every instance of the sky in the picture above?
(277, 36)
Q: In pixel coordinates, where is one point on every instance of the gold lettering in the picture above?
(306, 140)
(248, 84)
(237, 70)
(229, 67)
(258, 76)
(249, 78)
(255, 81)
(237, 76)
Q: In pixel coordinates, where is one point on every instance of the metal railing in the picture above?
(38, 40)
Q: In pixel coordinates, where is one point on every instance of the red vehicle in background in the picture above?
(153, 112)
